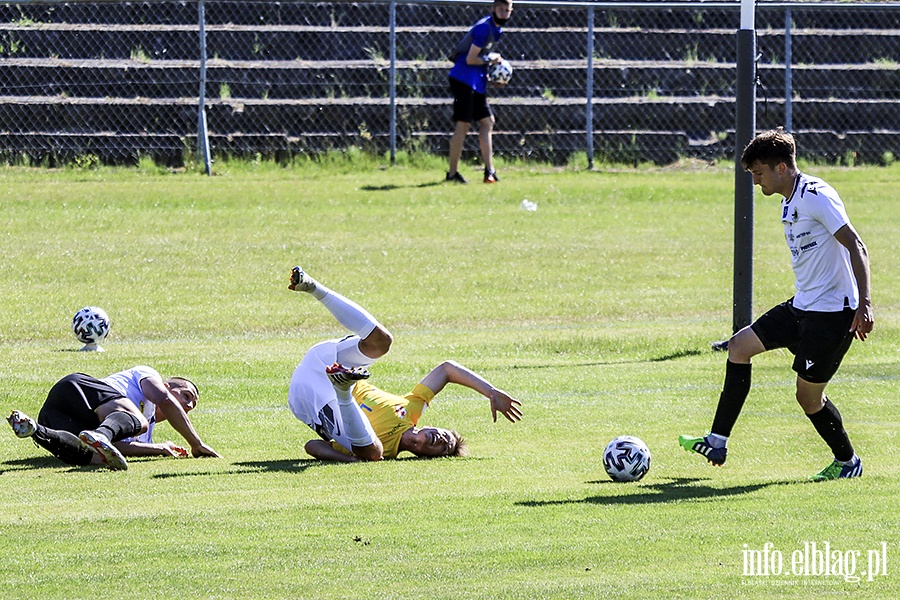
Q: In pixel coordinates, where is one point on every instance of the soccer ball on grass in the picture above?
(90, 326)
(500, 73)
(626, 458)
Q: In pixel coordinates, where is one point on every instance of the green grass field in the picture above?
(596, 311)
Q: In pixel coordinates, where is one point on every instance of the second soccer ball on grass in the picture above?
(626, 458)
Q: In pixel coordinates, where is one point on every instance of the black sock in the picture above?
(63, 445)
(119, 425)
(830, 426)
(731, 401)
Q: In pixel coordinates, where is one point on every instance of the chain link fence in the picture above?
(626, 82)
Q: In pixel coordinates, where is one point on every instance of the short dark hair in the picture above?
(184, 382)
(770, 148)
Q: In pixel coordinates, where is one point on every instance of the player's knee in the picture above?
(743, 346)
(142, 421)
(133, 420)
(377, 343)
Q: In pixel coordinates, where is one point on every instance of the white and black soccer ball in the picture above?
(90, 325)
(500, 73)
(626, 458)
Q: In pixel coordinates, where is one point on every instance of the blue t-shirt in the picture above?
(484, 34)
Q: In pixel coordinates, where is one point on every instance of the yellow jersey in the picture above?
(389, 414)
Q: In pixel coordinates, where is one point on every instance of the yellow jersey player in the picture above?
(354, 419)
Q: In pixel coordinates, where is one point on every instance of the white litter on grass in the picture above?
(528, 205)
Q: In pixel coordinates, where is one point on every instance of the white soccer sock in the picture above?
(347, 312)
(852, 460)
(352, 418)
(717, 441)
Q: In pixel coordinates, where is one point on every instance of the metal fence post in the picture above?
(393, 82)
(745, 129)
(202, 132)
(589, 112)
(788, 75)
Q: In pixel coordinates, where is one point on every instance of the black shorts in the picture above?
(72, 400)
(818, 340)
(469, 106)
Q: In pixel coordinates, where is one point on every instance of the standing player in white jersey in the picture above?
(87, 420)
(831, 307)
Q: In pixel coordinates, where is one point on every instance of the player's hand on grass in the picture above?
(204, 450)
(506, 405)
(174, 450)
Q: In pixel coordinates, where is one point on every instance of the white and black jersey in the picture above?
(811, 215)
(128, 382)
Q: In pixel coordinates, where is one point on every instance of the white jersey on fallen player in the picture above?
(811, 215)
(128, 383)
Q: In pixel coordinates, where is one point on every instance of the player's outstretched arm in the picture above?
(452, 372)
(169, 449)
(323, 451)
(155, 391)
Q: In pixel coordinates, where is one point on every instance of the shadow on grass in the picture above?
(390, 186)
(663, 358)
(35, 462)
(254, 466)
(675, 490)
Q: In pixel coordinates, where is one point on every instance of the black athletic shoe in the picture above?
(721, 346)
(490, 176)
(456, 178)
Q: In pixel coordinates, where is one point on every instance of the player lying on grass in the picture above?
(831, 307)
(101, 421)
(358, 421)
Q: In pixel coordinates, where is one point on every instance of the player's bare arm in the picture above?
(452, 372)
(864, 320)
(156, 392)
(168, 449)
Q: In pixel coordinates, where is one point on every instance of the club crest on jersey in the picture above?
(401, 411)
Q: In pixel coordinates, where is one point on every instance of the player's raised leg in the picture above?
(374, 340)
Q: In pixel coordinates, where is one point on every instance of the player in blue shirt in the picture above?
(468, 84)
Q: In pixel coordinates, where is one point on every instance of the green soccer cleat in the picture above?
(700, 445)
(838, 471)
